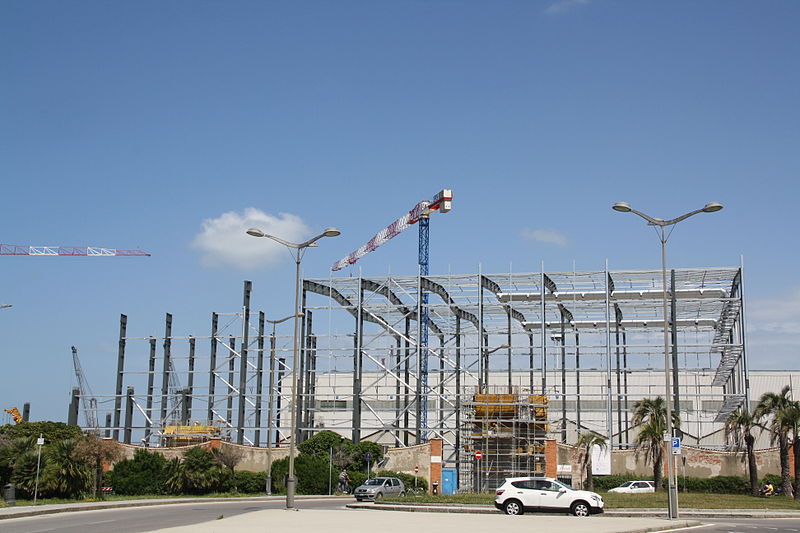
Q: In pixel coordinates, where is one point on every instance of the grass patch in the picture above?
(632, 501)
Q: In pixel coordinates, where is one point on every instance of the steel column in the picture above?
(123, 326)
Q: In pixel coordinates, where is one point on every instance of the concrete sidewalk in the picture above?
(402, 522)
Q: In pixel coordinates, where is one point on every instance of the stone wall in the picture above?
(693, 462)
(405, 459)
(253, 459)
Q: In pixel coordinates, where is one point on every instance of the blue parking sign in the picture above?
(676, 442)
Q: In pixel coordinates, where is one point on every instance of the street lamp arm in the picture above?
(650, 220)
(682, 217)
(284, 319)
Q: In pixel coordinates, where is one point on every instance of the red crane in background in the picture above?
(80, 251)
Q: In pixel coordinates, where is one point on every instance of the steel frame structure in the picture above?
(587, 341)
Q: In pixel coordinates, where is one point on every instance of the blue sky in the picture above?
(168, 126)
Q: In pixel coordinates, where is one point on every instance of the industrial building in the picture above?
(493, 363)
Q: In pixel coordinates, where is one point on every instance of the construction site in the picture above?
(510, 360)
(493, 364)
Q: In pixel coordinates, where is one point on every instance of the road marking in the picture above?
(100, 522)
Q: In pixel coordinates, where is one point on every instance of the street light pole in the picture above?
(710, 207)
(269, 396)
(297, 251)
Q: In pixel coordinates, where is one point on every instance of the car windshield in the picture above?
(567, 485)
(626, 484)
(375, 481)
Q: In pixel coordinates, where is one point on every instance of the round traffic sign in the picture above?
(416, 470)
(478, 455)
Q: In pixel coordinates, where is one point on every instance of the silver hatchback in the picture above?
(378, 487)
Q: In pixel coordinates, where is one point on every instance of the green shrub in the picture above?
(710, 485)
(248, 482)
(313, 474)
(357, 477)
(146, 473)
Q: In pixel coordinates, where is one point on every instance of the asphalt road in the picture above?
(140, 519)
(751, 525)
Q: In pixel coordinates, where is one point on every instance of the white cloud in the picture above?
(561, 6)
(549, 236)
(224, 243)
(773, 329)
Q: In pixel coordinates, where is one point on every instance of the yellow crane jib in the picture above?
(14, 412)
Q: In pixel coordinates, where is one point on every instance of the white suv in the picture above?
(519, 494)
(635, 487)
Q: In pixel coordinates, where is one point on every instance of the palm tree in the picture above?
(587, 441)
(792, 420)
(776, 407)
(650, 414)
(738, 431)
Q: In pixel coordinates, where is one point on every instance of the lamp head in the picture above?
(711, 207)
(622, 207)
(331, 232)
(255, 232)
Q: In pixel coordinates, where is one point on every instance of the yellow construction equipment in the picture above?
(186, 435)
(14, 412)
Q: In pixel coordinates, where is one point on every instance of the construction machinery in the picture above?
(89, 401)
(442, 202)
(74, 251)
(14, 412)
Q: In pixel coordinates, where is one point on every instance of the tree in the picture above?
(776, 408)
(321, 443)
(63, 474)
(201, 472)
(97, 451)
(651, 417)
(586, 442)
(228, 455)
(738, 431)
(792, 420)
(51, 431)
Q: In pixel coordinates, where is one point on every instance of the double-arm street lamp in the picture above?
(662, 226)
(297, 251)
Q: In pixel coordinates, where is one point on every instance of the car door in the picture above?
(550, 496)
(640, 487)
(525, 491)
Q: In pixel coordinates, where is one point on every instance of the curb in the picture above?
(617, 513)
(99, 506)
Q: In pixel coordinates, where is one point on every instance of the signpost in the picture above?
(676, 446)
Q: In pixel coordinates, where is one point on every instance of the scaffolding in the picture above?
(506, 436)
(570, 351)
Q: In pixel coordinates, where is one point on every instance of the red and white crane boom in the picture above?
(442, 202)
(85, 251)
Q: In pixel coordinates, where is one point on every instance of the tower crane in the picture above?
(421, 212)
(89, 401)
(80, 251)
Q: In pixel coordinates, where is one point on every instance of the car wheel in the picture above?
(580, 509)
(513, 507)
(402, 493)
(379, 496)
